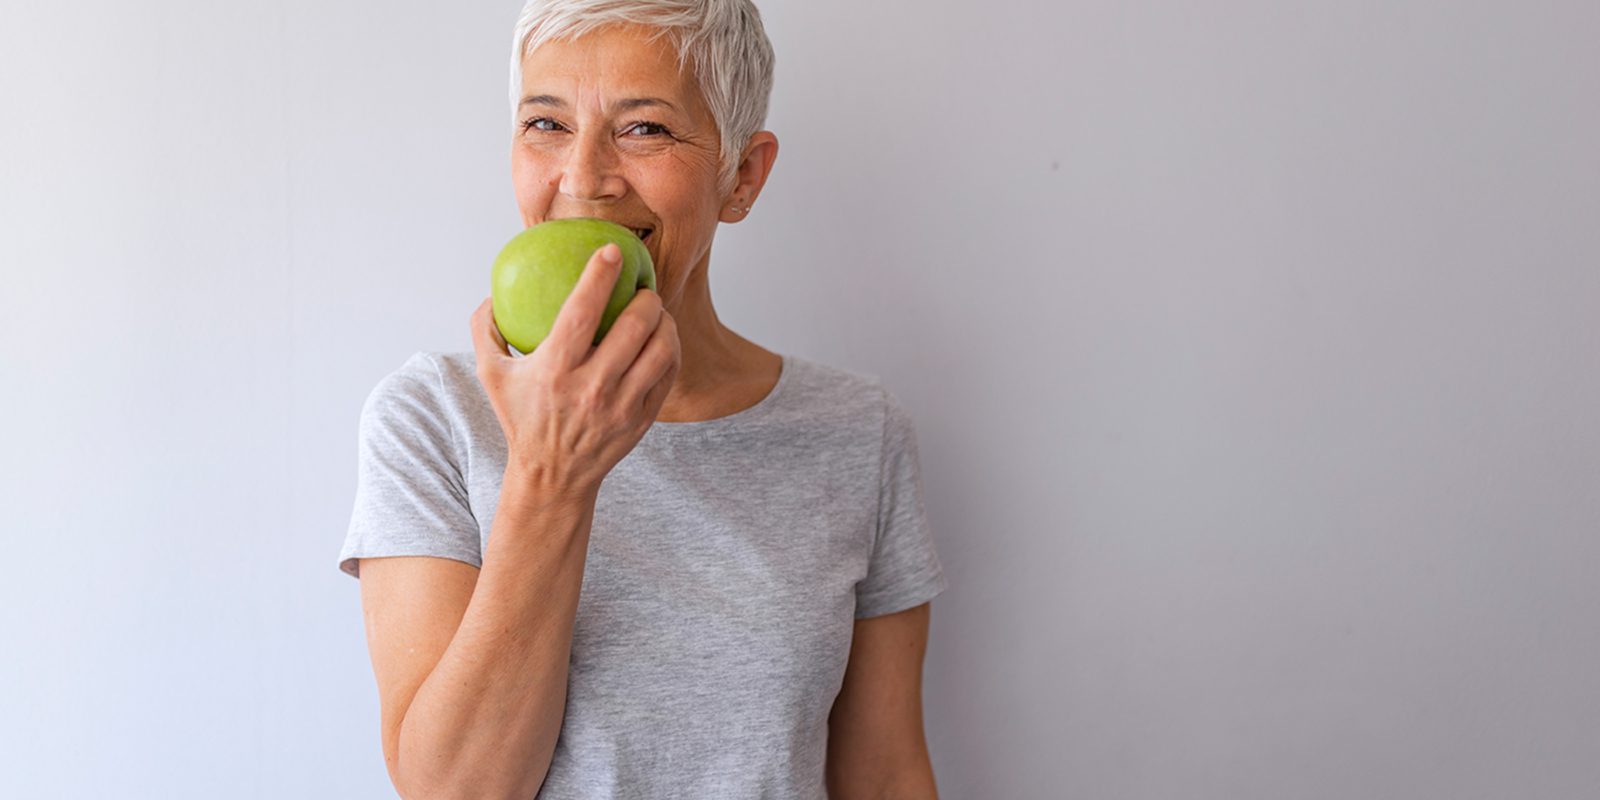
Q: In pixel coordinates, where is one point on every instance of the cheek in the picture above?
(531, 188)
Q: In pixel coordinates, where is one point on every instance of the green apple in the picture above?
(540, 266)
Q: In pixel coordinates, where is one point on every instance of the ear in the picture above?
(754, 168)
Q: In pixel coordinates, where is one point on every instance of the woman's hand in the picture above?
(571, 410)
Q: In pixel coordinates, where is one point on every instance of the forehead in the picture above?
(609, 63)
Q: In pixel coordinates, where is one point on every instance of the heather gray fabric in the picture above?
(727, 563)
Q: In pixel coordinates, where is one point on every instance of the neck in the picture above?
(721, 371)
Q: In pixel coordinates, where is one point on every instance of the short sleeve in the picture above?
(411, 498)
(904, 570)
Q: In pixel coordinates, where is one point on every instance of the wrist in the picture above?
(530, 487)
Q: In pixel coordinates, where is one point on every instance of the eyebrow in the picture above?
(620, 106)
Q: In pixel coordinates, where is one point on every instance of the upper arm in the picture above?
(412, 606)
(875, 736)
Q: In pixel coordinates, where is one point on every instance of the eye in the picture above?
(662, 129)
(534, 124)
(646, 129)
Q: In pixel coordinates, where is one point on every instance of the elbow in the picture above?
(472, 785)
(428, 769)
(918, 786)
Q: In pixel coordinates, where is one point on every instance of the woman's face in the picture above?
(608, 127)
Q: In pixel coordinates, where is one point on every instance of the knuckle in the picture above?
(562, 384)
(583, 319)
(629, 326)
(660, 347)
(591, 398)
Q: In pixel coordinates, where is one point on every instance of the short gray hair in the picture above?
(723, 40)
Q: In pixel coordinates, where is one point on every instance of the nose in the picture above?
(590, 171)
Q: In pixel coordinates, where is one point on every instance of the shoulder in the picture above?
(430, 374)
(854, 399)
(411, 382)
(428, 388)
(415, 381)
(817, 385)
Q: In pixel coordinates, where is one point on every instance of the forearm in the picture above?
(912, 783)
(484, 723)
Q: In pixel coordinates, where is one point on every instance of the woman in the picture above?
(676, 564)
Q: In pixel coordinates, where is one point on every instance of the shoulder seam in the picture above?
(883, 452)
(455, 444)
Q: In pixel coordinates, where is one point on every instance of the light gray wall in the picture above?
(1252, 347)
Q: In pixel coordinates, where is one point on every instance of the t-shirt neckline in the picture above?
(742, 416)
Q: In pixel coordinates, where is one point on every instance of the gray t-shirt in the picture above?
(727, 563)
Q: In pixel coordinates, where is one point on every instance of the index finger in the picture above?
(579, 318)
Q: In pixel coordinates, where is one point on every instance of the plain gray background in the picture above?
(1252, 348)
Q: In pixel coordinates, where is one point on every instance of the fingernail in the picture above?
(611, 253)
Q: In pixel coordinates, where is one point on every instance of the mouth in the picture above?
(643, 232)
